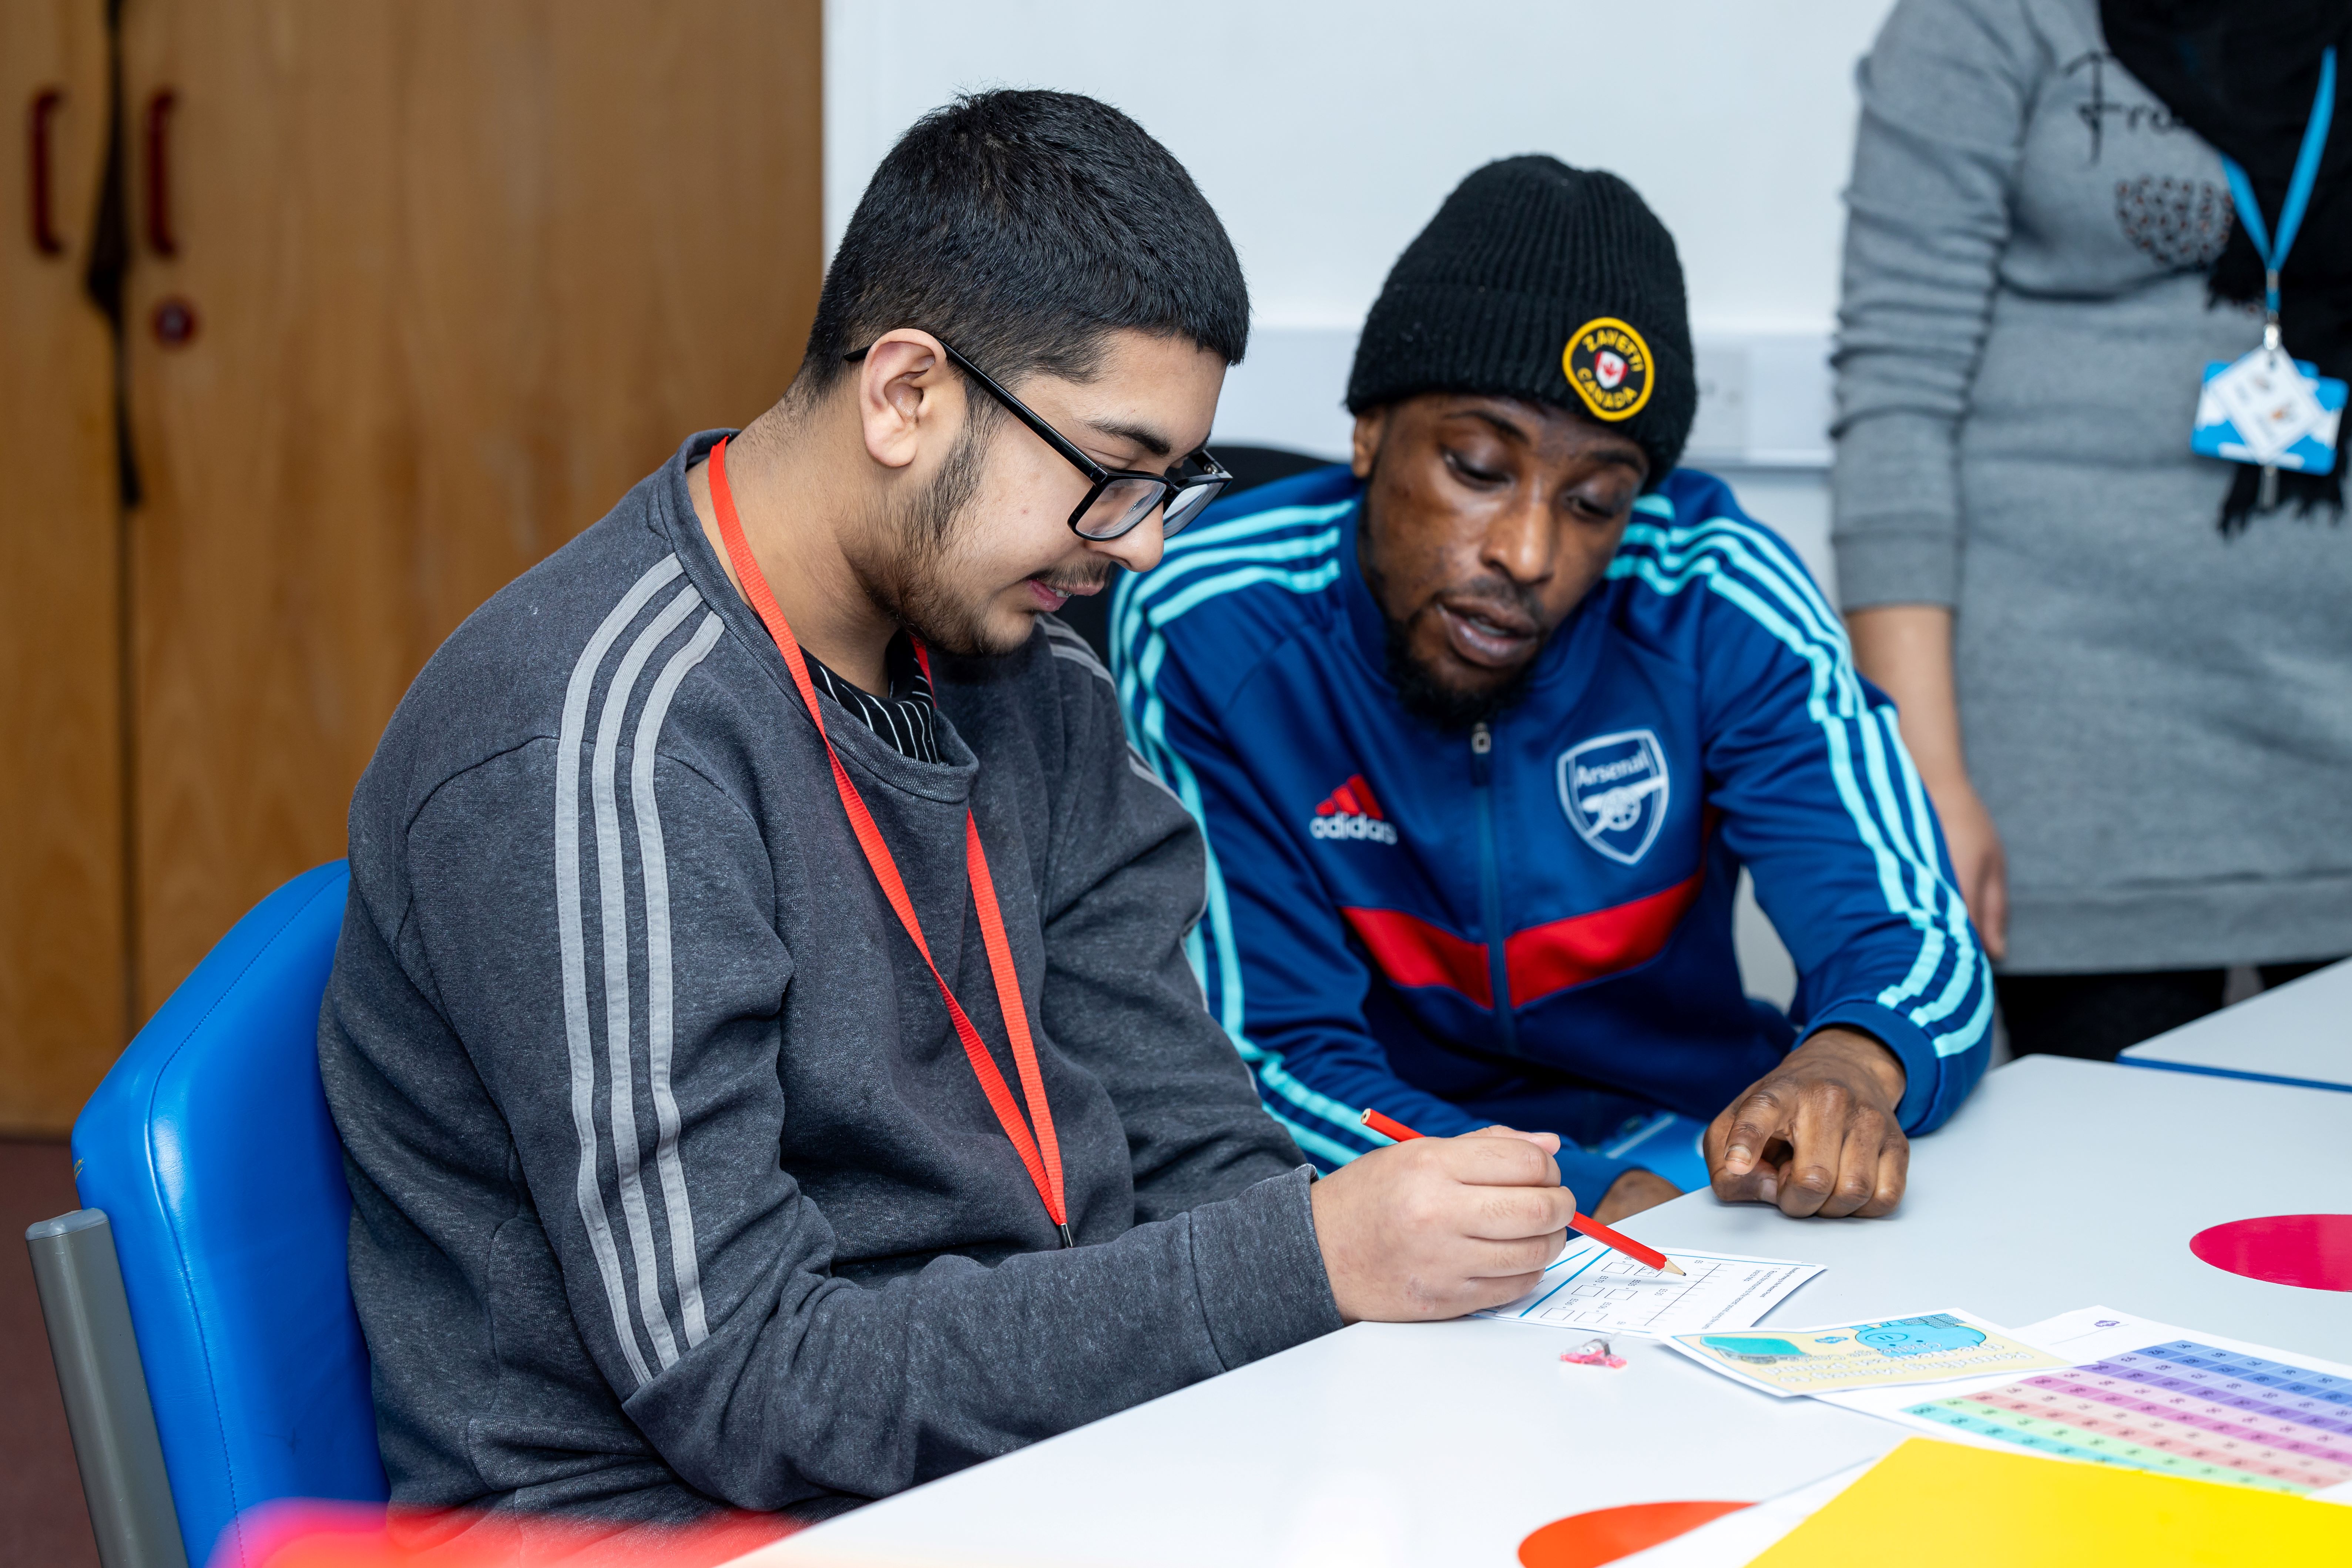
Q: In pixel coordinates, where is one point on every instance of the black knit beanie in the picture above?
(1544, 282)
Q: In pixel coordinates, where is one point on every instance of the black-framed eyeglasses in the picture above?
(1121, 498)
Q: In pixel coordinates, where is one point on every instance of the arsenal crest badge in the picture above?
(1609, 364)
(1613, 789)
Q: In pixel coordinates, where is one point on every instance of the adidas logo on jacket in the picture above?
(1351, 812)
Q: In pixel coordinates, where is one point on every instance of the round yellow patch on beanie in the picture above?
(1609, 364)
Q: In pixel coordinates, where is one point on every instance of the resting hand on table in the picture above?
(1439, 1227)
(1818, 1134)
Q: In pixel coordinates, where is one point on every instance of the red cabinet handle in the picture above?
(160, 237)
(45, 104)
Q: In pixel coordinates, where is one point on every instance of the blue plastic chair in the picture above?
(210, 1149)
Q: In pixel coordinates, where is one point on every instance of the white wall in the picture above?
(1326, 134)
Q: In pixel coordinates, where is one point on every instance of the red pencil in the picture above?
(1390, 1127)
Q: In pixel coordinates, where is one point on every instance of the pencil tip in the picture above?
(1673, 1268)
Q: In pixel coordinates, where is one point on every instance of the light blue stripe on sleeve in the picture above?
(1263, 548)
(1746, 567)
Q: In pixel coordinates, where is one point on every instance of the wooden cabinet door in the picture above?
(62, 1000)
(446, 277)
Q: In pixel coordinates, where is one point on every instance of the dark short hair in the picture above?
(1022, 226)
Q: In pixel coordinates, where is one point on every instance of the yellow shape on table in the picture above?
(1944, 1505)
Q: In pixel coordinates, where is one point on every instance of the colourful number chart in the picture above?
(2182, 1408)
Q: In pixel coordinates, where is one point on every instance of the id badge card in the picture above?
(2270, 411)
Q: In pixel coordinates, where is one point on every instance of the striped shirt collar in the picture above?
(907, 717)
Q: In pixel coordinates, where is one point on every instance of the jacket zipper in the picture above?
(1490, 886)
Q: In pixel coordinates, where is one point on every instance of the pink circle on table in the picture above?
(2313, 1250)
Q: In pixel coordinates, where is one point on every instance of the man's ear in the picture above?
(905, 392)
(1371, 429)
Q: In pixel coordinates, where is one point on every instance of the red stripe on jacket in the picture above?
(1413, 953)
(1552, 957)
(1540, 961)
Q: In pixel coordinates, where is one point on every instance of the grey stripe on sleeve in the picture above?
(586, 1189)
(1065, 644)
(686, 1268)
(620, 1029)
(1142, 770)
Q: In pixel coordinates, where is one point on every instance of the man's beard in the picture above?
(1431, 699)
(1419, 688)
(912, 585)
(915, 585)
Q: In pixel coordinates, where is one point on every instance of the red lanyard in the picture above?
(1042, 1155)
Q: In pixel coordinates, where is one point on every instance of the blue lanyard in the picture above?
(2298, 188)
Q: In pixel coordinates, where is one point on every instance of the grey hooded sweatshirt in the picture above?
(673, 1188)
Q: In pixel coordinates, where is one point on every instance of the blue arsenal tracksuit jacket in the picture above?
(1531, 921)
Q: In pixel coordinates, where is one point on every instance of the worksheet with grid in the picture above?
(2180, 1408)
(2150, 1396)
(1600, 1291)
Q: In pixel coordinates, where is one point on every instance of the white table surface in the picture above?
(2062, 1183)
(2299, 1033)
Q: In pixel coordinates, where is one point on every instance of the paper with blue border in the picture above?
(1595, 1289)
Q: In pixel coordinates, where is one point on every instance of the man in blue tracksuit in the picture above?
(1482, 727)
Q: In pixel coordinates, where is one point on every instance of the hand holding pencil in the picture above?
(1583, 1225)
(1440, 1226)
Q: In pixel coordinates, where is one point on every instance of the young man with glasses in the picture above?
(1484, 726)
(761, 1034)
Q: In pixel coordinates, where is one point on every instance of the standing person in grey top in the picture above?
(677, 1183)
(2157, 715)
